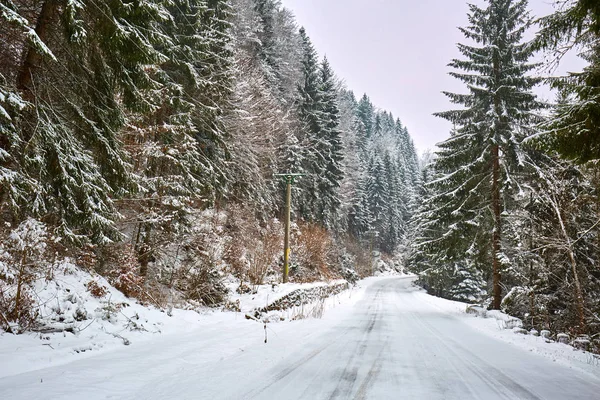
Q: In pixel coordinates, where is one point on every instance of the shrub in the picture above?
(22, 252)
(124, 276)
(96, 290)
(253, 248)
(203, 284)
(314, 253)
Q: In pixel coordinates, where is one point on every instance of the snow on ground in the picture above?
(190, 347)
(98, 324)
(382, 340)
(495, 325)
(263, 295)
(114, 321)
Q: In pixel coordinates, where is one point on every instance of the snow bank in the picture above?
(262, 296)
(75, 323)
(78, 325)
(504, 327)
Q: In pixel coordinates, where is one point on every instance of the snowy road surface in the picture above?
(388, 345)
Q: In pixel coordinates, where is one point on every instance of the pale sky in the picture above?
(396, 51)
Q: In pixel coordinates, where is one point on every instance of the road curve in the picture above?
(396, 347)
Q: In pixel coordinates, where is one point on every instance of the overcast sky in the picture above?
(396, 51)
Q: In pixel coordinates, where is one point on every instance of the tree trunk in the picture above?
(497, 227)
(16, 314)
(578, 290)
(33, 58)
(145, 251)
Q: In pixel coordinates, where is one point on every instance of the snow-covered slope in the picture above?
(77, 324)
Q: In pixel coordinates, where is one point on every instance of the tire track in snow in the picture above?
(371, 376)
(349, 375)
(304, 360)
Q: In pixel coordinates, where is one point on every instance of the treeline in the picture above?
(511, 216)
(124, 124)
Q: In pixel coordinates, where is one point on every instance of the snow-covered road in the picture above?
(389, 345)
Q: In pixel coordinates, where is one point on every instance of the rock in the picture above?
(545, 334)
(520, 331)
(534, 332)
(476, 310)
(581, 343)
(506, 321)
(300, 297)
(562, 338)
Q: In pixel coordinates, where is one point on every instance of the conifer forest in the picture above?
(141, 140)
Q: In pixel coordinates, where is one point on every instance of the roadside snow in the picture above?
(263, 295)
(93, 324)
(106, 324)
(495, 325)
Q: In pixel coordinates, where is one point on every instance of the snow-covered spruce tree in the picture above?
(310, 126)
(266, 11)
(479, 166)
(408, 161)
(81, 67)
(269, 36)
(216, 73)
(319, 133)
(350, 159)
(257, 123)
(359, 213)
(378, 194)
(381, 175)
(393, 228)
(575, 131)
(289, 55)
(178, 149)
(366, 114)
(330, 146)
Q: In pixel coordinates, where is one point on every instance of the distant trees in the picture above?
(122, 124)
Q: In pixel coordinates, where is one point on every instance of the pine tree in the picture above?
(574, 131)
(377, 194)
(360, 218)
(330, 146)
(366, 114)
(310, 129)
(266, 10)
(84, 67)
(479, 165)
(178, 148)
(394, 225)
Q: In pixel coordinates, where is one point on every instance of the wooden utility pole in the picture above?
(289, 179)
(371, 253)
(374, 234)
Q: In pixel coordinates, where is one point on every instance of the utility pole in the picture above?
(371, 253)
(373, 233)
(289, 179)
